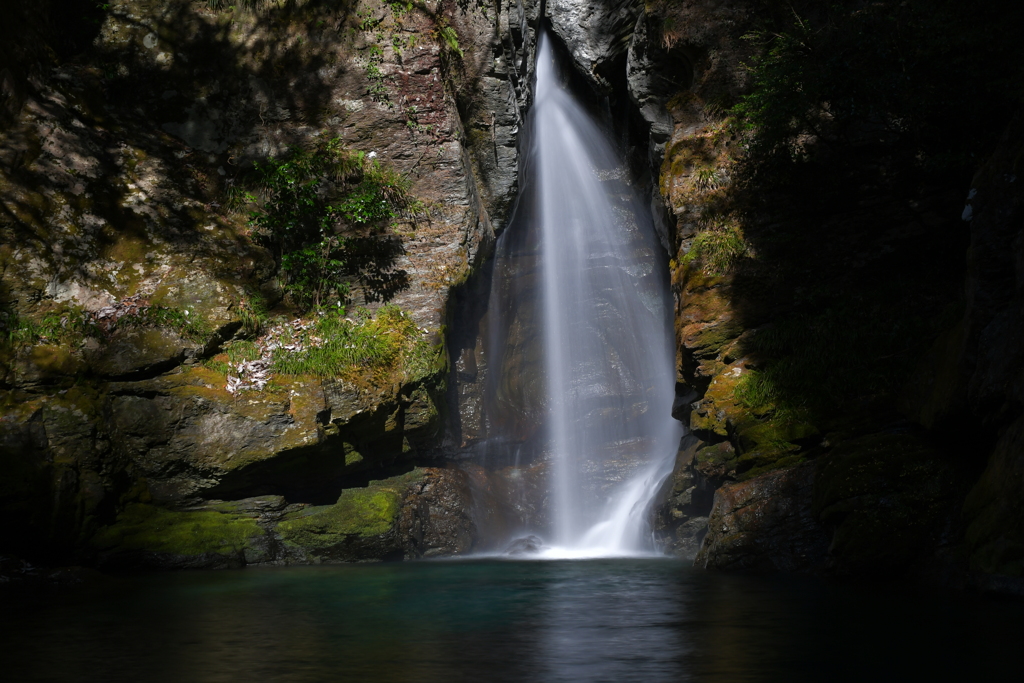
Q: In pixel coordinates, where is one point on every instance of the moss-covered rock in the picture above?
(717, 463)
(148, 535)
(365, 513)
(116, 222)
(719, 412)
(47, 363)
(138, 352)
(422, 513)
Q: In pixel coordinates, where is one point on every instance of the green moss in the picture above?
(154, 529)
(719, 457)
(53, 360)
(352, 456)
(127, 249)
(358, 512)
(760, 462)
(780, 431)
(718, 412)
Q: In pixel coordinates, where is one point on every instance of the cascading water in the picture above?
(604, 330)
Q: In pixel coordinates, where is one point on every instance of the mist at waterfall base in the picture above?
(615, 620)
(604, 330)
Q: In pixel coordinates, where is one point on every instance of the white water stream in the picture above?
(606, 335)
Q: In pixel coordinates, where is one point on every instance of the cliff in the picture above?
(847, 329)
(147, 329)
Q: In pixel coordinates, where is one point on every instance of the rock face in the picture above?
(874, 505)
(974, 372)
(681, 521)
(125, 128)
(765, 524)
(801, 480)
(596, 35)
(116, 169)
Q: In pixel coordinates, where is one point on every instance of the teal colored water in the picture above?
(597, 620)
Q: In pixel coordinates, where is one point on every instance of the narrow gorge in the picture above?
(324, 281)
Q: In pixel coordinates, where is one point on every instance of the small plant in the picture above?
(450, 39)
(367, 22)
(413, 123)
(378, 90)
(707, 179)
(716, 249)
(253, 313)
(399, 8)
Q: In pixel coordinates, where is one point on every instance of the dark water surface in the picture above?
(595, 620)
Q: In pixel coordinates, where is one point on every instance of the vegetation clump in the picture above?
(325, 213)
(56, 327)
(186, 323)
(716, 249)
(847, 88)
(377, 346)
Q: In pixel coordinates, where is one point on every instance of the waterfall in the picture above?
(605, 332)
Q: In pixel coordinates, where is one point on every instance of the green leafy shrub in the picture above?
(324, 213)
(315, 273)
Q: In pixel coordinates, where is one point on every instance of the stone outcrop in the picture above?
(128, 445)
(849, 488)
(116, 170)
(597, 35)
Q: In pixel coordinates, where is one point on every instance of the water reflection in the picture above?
(607, 621)
(600, 620)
